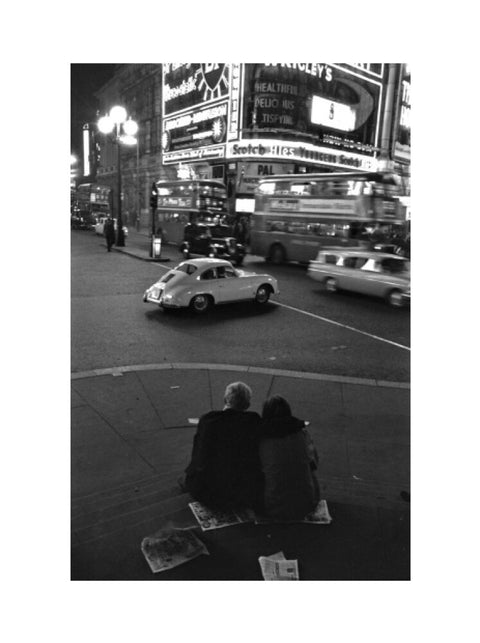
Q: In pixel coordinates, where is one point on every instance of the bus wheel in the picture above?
(331, 284)
(200, 303)
(395, 298)
(277, 254)
(262, 295)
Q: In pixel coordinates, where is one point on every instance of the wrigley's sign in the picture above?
(298, 152)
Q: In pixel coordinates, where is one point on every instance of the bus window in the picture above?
(301, 188)
(267, 188)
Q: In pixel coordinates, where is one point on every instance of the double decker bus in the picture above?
(180, 202)
(89, 202)
(298, 214)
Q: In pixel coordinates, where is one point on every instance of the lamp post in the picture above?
(123, 131)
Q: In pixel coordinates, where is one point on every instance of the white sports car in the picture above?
(201, 283)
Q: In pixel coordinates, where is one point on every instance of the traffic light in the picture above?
(154, 196)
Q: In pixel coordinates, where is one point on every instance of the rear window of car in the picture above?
(166, 278)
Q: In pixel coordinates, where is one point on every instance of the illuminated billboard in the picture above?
(327, 104)
(195, 108)
(310, 113)
(402, 142)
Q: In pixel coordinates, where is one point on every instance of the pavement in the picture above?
(132, 430)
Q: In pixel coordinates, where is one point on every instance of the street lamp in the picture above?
(123, 130)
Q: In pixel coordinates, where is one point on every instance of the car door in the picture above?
(373, 281)
(348, 274)
(209, 283)
(230, 286)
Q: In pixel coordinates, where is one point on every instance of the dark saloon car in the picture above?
(212, 240)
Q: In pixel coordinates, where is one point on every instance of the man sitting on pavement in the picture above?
(224, 471)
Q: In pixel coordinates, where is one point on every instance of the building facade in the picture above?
(239, 122)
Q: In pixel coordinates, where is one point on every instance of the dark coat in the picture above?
(291, 490)
(225, 469)
(109, 231)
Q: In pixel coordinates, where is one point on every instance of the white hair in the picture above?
(238, 396)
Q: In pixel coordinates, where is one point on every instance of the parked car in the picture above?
(212, 240)
(365, 271)
(80, 222)
(201, 283)
(100, 226)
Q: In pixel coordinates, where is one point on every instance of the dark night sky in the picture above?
(85, 80)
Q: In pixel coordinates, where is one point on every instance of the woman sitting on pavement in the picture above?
(288, 460)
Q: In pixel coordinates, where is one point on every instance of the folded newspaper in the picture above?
(169, 547)
(210, 519)
(319, 516)
(277, 567)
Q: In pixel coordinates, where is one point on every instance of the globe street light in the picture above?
(123, 131)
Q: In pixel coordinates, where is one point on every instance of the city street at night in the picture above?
(246, 352)
(141, 377)
(282, 191)
(305, 328)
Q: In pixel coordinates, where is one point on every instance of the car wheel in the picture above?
(395, 298)
(277, 254)
(262, 295)
(239, 261)
(331, 284)
(200, 303)
(186, 253)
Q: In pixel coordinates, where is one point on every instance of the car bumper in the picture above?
(148, 298)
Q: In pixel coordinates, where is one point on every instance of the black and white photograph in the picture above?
(232, 363)
(240, 269)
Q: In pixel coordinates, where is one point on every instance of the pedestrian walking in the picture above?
(109, 232)
(288, 461)
(224, 471)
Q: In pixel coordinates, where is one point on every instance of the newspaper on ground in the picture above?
(210, 519)
(170, 547)
(319, 516)
(277, 567)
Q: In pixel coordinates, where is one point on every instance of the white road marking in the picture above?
(335, 323)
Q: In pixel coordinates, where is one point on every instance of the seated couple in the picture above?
(240, 459)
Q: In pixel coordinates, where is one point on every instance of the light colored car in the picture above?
(100, 226)
(201, 283)
(365, 271)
